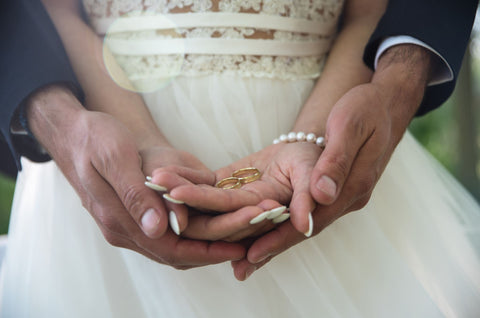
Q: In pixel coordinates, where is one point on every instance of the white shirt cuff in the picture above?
(441, 74)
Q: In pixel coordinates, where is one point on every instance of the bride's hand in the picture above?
(173, 162)
(285, 177)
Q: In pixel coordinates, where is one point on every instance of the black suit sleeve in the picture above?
(444, 25)
(32, 56)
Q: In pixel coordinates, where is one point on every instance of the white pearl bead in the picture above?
(311, 137)
(292, 137)
(320, 142)
(301, 136)
(276, 141)
(283, 138)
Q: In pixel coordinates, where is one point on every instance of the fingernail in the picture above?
(327, 186)
(250, 271)
(172, 218)
(276, 212)
(155, 187)
(281, 218)
(167, 197)
(150, 220)
(259, 218)
(310, 225)
(148, 178)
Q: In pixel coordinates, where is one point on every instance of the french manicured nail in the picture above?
(155, 187)
(259, 218)
(167, 197)
(310, 225)
(148, 178)
(250, 271)
(327, 186)
(281, 218)
(150, 220)
(276, 212)
(172, 218)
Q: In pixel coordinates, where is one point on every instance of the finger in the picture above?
(274, 242)
(123, 241)
(206, 253)
(365, 172)
(125, 176)
(174, 176)
(177, 216)
(108, 211)
(251, 232)
(261, 223)
(180, 252)
(243, 269)
(218, 200)
(205, 227)
(302, 204)
(345, 135)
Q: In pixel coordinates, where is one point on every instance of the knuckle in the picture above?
(114, 159)
(112, 238)
(87, 204)
(339, 164)
(171, 260)
(360, 203)
(231, 239)
(181, 267)
(132, 200)
(109, 223)
(365, 185)
(350, 123)
(172, 168)
(162, 176)
(167, 169)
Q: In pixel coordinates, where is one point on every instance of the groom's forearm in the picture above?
(403, 72)
(51, 115)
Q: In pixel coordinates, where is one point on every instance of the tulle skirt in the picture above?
(413, 251)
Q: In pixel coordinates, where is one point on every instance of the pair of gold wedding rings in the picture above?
(239, 177)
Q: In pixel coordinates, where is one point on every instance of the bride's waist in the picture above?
(254, 45)
(153, 67)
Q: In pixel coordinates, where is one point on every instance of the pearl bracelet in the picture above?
(300, 136)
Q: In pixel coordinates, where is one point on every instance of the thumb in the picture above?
(343, 142)
(127, 179)
(302, 203)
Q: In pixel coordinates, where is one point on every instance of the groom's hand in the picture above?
(99, 157)
(363, 129)
(367, 123)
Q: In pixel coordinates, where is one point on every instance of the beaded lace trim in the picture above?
(195, 41)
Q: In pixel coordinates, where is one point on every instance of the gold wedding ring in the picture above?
(229, 183)
(238, 178)
(246, 175)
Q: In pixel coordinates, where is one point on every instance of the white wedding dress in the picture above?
(222, 94)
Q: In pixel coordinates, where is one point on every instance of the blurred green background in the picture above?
(451, 133)
(7, 186)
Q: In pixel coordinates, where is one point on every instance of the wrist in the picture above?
(300, 136)
(404, 71)
(50, 112)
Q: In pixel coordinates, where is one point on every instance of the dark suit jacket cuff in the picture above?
(444, 26)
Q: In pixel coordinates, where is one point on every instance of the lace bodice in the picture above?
(316, 10)
(285, 39)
